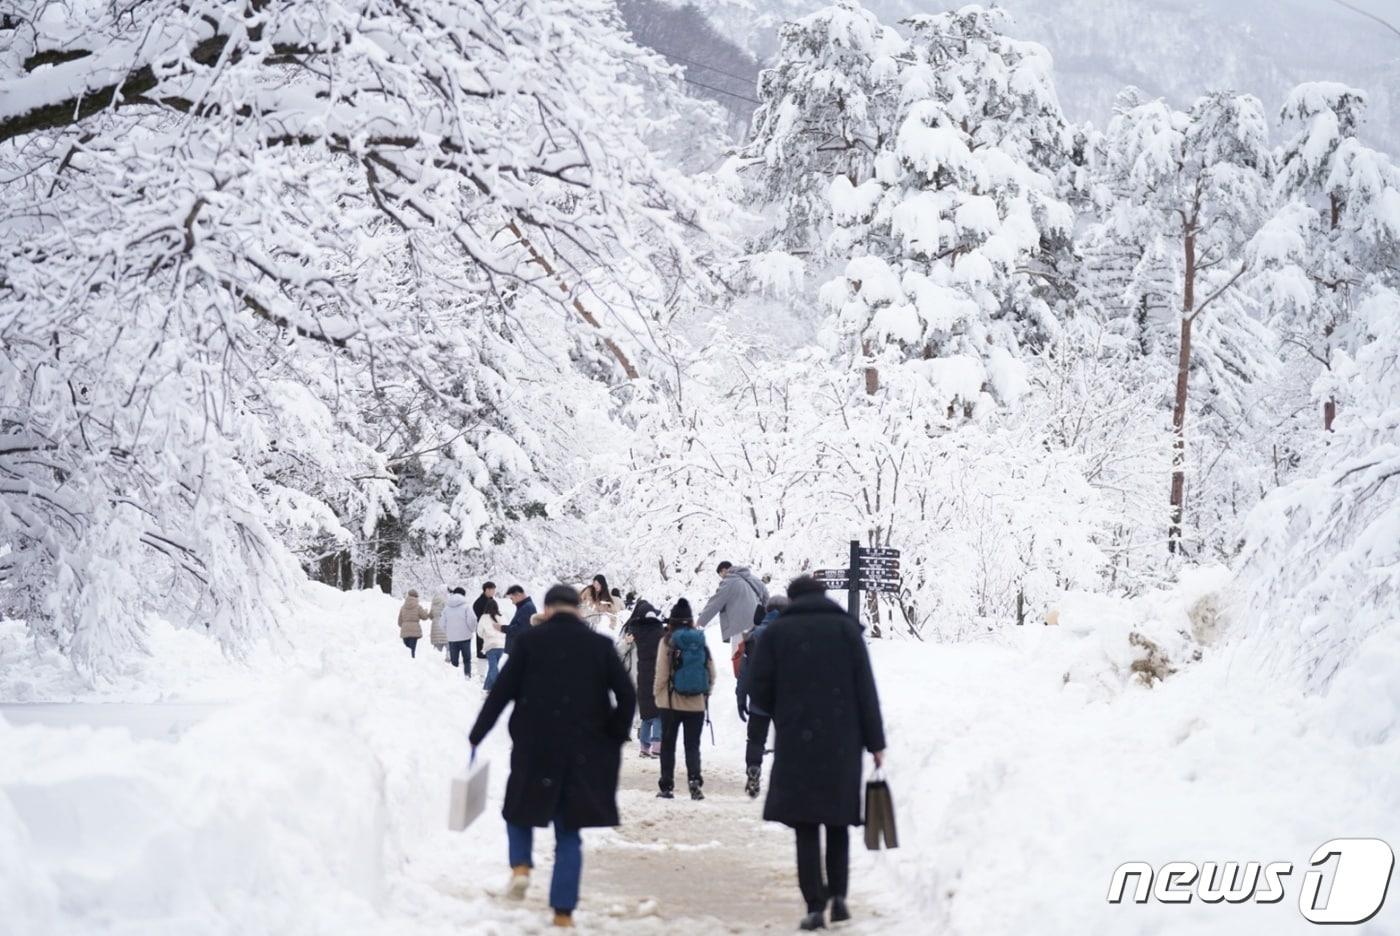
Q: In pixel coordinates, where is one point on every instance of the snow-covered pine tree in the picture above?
(953, 237)
(1336, 231)
(827, 110)
(1192, 187)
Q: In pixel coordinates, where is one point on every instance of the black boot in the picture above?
(695, 792)
(665, 794)
(812, 921)
(839, 913)
(754, 782)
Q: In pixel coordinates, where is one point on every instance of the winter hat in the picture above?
(565, 595)
(681, 613)
(643, 609)
(412, 593)
(777, 603)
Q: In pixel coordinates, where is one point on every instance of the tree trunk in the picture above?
(1183, 373)
(1329, 413)
(872, 374)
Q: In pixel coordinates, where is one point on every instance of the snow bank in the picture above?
(317, 804)
(1025, 773)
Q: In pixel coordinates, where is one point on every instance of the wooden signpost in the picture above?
(871, 569)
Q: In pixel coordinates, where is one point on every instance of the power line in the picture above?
(701, 84)
(1369, 15)
(747, 79)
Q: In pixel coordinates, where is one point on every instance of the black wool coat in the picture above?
(812, 672)
(573, 708)
(646, 637)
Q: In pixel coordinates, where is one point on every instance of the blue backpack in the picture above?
(689, 675)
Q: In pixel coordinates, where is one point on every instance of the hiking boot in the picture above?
(656, 749)
(695, 792)
(753, 783)
(645, 752)
(839, 913)
(665, 794)
(519, 881)
(812, 921)
(564, 919)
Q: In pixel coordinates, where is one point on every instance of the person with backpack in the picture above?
(739, 594)
(644, 631)
(685, 674)
(811, 670)
(573, 705)
(758, 719)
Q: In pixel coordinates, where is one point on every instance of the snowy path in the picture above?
(682, 867)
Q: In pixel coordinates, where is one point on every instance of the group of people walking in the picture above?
(802, 669)
(452, 628)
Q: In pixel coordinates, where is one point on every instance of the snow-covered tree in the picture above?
(952, 239)
(263, 260)
(827, 110)
(1321, 569)
(1189, 189)
(1337, 229)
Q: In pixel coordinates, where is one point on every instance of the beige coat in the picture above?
(667, 700)
(439, 633)
(409, 615)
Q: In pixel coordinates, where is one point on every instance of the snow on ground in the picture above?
(310, 797)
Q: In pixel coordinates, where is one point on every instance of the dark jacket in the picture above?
(811, 670)
(646, 630)
(519, 622)
(741, 684)
(567, 733)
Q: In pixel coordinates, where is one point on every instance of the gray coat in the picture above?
(739, 593)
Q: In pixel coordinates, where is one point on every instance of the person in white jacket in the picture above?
(458, 623)
(492, 631)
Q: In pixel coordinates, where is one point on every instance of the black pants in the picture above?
(758, 739)
(460, 650)
(412, 644)
(671, 724)
(809, 864)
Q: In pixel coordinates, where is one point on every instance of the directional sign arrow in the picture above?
(866, 563)
(879, 552)
(889, 588)
(832, 575)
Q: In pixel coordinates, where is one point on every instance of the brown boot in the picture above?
(565, 920)
(519, 881)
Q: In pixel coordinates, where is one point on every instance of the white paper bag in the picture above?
(468, 796)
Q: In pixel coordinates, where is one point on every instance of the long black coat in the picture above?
(567, 733)
(646, 636)
(812, 671)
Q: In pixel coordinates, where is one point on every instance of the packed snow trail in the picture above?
(686, 867)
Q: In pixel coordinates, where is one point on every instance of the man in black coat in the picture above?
(567, 734)
(488, 591)
(520, 621)
(812, 672)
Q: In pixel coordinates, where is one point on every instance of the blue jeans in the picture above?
(650, 732)
(568, 860)
(493, 667)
